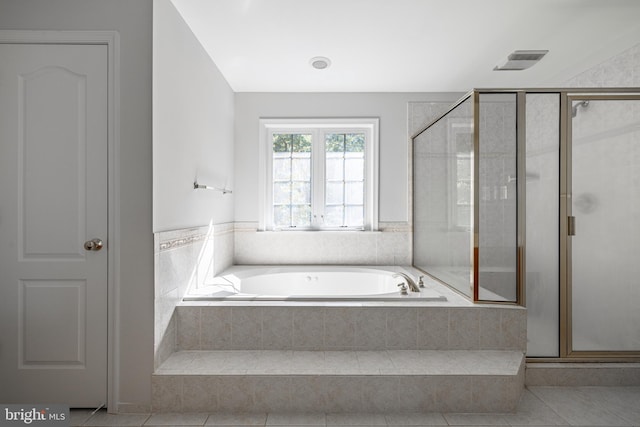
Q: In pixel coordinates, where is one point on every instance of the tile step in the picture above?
(339, 381)
(384, 362)
(582, 374)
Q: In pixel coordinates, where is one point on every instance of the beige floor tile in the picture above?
(79, 416)
(237, 419)
(189, 419)
(102, 419)
(579, 408)
(531, 411)
(622, 401)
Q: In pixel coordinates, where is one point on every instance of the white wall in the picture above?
(192, 138)
(133, 20)
(391, 108)
(192, 128)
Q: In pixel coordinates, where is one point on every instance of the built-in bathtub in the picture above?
(257, 335)
(314, 283)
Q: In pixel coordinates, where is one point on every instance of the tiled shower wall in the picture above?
(622, 70)
(184, 258)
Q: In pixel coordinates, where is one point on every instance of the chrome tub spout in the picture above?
(412, 285)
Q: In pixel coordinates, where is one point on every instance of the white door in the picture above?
(53, 199)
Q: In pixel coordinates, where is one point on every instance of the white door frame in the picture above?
(111, 39)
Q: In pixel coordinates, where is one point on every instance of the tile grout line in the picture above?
(546, 405)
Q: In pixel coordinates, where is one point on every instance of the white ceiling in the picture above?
(406, 45)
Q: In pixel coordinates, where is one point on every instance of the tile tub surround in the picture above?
(335, 326)
(340, 358)
(391, 245)
(184, 258)
(316, 381)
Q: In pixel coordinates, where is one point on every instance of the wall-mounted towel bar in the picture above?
(197, 186)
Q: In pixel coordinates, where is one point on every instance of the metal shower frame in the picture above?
(566, 97)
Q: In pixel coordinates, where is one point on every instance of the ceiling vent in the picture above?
(521, 60)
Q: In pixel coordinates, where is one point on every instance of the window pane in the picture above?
(354, 142)
(350, 155)
(281, 143)
(301, 215)
(354, 216)
(300, 169)
(354, 169)
(281, 193)
(354, 193)
(281, 215)
(301, 143)
(334, 216)
(281, 168)
(344, 179)
(285, 216)
(334, 167)
(334, 142)
(291, 142)
(334, 194)
(301, 192)
(291, 179)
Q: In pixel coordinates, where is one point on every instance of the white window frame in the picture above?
(317, 127)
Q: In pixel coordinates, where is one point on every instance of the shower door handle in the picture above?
(571, 225)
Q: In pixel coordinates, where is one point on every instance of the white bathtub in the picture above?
(311, 283)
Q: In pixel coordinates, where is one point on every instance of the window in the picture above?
(319, 174)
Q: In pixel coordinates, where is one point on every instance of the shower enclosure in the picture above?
(532, 197)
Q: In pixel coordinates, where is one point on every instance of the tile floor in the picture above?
(540, 406)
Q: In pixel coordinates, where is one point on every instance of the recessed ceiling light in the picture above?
(320, 62)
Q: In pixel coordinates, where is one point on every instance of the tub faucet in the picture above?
(412, 285)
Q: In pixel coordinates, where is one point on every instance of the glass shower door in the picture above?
(604, 225)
